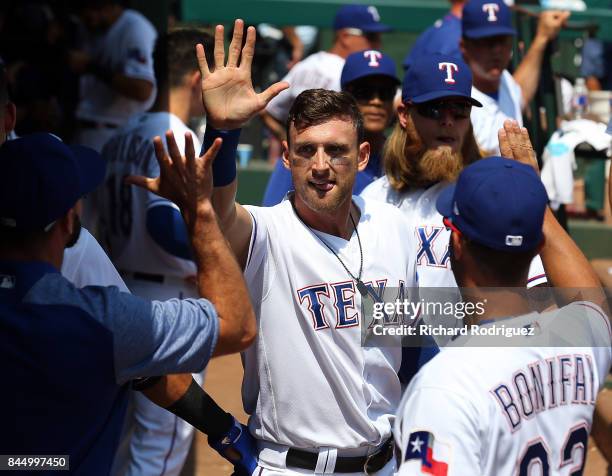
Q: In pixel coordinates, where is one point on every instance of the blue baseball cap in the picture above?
(437, 76)
(43, 178)
(363, 17)
(367, 63)
(497, 202)
(483, 18)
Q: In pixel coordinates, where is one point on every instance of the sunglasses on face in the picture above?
(434, 109)
(367, 93)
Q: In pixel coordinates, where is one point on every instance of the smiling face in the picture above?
(324, 159)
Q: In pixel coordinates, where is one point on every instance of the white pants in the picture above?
(155, 442)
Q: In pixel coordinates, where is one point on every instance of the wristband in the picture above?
(198, 409)
(224, 165)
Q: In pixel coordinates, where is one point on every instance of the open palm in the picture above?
(227, 90)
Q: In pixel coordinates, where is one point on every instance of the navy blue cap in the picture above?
(364, 17)
(497, 202)
(437, 76)
(367, 63)
(43, 178)
(483, 18)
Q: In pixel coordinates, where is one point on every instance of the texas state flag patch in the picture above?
(423, 449)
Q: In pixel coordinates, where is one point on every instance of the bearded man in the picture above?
(432, 142)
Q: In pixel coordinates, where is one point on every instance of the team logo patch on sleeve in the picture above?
(432, 455)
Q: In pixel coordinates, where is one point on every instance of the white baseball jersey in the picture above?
(518, 410)
(308, 382)
(432, 237)
(319, 70)
(124, 208)
(489, 119)
(86, 264)
(127, 47)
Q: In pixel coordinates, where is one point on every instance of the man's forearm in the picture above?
(220, 280)
(527, 75)
(566, 266)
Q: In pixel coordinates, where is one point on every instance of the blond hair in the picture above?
(403, 150)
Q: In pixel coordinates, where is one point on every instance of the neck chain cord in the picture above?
(362, 288)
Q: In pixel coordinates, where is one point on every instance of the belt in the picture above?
(153, 278)
(344, 464)
(96, 125)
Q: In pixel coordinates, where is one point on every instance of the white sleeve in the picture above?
(138, 51)
(437, 433)
(537, 275)
(259, 269)
(86, 264)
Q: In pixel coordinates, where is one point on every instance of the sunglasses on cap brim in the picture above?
(448, 223)
(367, 93)
(458, 108)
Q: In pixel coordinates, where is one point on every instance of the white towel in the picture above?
(559, 161)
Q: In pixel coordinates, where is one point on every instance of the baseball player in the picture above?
(430, 144)
(370, 76)
(146, 235)
(319, 402)
(486, 46)
(481, 406)
(356, 28)
(69, 352)
(116, 64)
(442, 37)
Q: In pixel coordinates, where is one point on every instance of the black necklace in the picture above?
(361, 287)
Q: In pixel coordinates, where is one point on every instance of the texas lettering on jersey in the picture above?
(335, 304)
(433, 246)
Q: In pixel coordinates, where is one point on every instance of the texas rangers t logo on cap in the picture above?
(374, 57)
(450, 69)
(491, 9)
(374, 12)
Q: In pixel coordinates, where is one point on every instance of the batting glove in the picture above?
(239, 448)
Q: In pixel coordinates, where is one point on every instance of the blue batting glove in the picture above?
(241, 442)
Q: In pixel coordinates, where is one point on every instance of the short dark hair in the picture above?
(507, 267)
(316, 106)
(175, 56)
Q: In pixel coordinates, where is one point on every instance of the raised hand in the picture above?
(514, 143)
(227, 90)
(185, 180)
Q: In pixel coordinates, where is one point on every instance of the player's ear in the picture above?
(195, 78)
(402, 115)
(364, 156)
(286, 162)
(458, 244)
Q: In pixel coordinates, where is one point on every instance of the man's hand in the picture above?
(514, 143)
(550, 23)
(227, 91)
(184, 180)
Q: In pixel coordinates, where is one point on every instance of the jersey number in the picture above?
(120, 206)
(537, 454)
